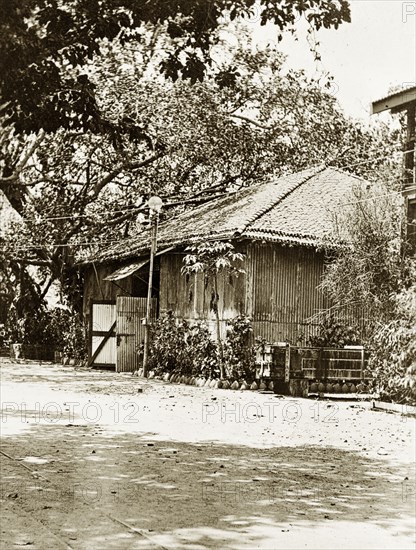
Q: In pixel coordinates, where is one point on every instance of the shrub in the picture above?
(239, 352)
(175, 345)
(392, 363)
(334, 332)
(189, 349)
(58, 328)
(73, 341)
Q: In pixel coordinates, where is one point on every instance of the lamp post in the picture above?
(155, 206)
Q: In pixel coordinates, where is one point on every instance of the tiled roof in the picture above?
(296, 209)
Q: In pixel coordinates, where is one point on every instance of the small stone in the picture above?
(254, 386)
(235, 385)
(382, 451)
(263, 386)
(225, 385)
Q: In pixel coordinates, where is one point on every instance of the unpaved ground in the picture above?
(104, 461)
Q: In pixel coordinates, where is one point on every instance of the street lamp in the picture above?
(155, 205)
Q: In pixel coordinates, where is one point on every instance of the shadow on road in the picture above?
(78, 480)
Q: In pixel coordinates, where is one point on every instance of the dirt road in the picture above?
(96, 460)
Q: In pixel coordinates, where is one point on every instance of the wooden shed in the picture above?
(283, 227)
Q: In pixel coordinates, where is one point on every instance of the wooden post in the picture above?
(409, 191)
(153, 245)
(409, 159)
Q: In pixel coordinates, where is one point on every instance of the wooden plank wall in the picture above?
(279, 291)
(95, 288)
(190, 298)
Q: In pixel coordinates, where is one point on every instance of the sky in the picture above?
(366, 57)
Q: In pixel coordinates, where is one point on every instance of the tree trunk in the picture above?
(217, 322)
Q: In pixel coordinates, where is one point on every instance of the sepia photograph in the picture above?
(208, 274)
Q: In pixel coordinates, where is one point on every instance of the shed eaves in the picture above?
(294, 209)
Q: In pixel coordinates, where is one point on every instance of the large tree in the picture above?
(45, 45)
(76, 187)
(113, 117)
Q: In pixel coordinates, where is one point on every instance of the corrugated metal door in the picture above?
(130, 331)
(103, 335)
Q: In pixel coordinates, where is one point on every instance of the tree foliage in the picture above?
(75, 188)
(367, 273)
(45, 46)
(375, 276)
(132, 126)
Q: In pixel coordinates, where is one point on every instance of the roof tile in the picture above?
(295, 209)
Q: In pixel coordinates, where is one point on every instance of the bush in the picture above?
(392, 363)
(177, 346)
(336, 333)
(239, 352)
(59, 328)
(73, 341)
(189, 349)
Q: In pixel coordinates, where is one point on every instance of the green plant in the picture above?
(189, 349)
(239, 352)
(167, 345)
(367, 274)
(334, 332)
(73, 338)
(392, 363)
(176, 345)
(202, 350)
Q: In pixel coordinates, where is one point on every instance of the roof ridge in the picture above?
(340, 170)
(266, 209)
